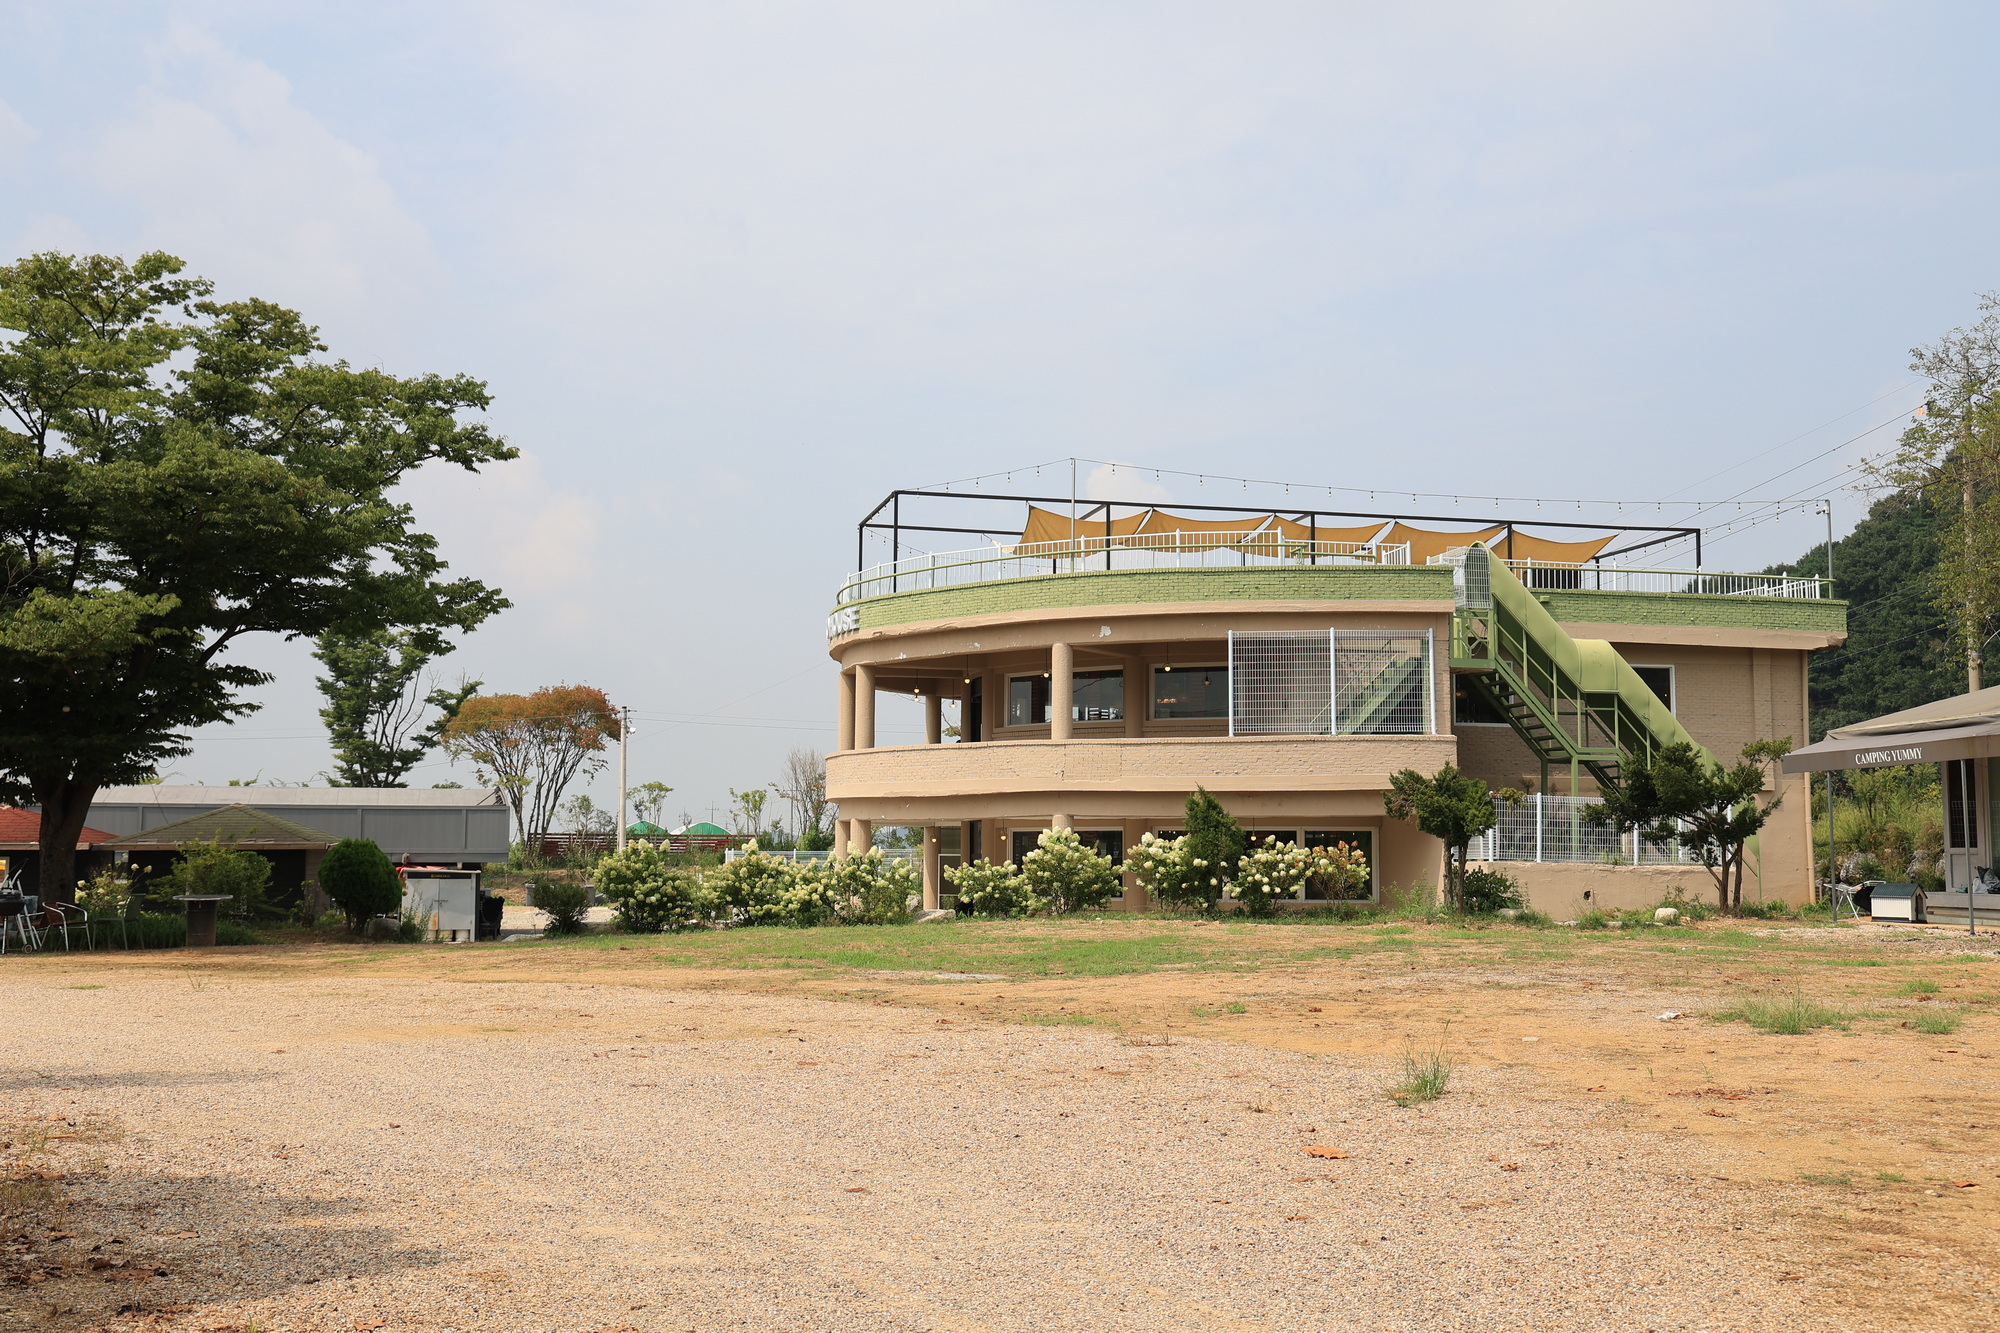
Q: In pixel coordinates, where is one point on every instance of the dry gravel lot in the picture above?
(493, 1148)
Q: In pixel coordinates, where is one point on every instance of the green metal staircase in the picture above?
(1573, 701)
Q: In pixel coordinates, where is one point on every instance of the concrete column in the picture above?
(844, 719)
(1060, 821)
(862, 832)
(839, 839)
(864, 708)
(1137, 696)
(1135, 897)
(1062, 690)
(933, 718)
(933, 868)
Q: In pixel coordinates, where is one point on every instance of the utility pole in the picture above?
(1973, 624)
(624, 744)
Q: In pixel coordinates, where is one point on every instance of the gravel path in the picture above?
(315, 1155)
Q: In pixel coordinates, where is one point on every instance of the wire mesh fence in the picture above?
(1382, 684)
(1280, 682)
(1553, 828)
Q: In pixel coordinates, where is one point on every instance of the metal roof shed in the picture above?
(457, 826)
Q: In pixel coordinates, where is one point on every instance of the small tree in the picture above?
(803, 787)
(219, 867)
(532, 746)
(1067, 875)
(1684, 797)
(377, 690)
(986, 889)
(1451, 807)
(648, 799)
(1215, 844)
(746, 813)
(360, 881)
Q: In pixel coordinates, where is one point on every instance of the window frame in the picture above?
(1673, 699)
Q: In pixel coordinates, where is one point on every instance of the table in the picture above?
(201, 917)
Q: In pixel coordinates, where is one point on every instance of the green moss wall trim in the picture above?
(1136, 587)
(1681, 608)
(1335, 583)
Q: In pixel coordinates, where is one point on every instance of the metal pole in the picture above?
(624, 737)
(1832, 898)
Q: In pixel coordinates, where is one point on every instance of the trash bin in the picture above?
(1896, 902)
(492, 910)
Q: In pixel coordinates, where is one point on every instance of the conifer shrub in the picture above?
(360, 881)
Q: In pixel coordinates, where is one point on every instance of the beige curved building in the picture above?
(1099, 678)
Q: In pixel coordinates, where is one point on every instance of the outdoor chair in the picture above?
(1842, 896)
(67, 917)
(18, 913)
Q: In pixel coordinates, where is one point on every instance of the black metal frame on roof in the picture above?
(895, 527)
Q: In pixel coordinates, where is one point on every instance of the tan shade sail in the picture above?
(1298, 531)
(1523, 547)
(1160, 521)
(1045, 525)
(1424, 543)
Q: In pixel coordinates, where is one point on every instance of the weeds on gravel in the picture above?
(1936, 1022)
(1426, 1075)
(1839, 1178)
(1919, 986)
(1789, 1016)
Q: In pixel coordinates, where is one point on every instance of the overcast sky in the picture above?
(735, 270)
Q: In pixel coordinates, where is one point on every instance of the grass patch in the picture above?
(1789, 1016)
(1919, 986)
(1890, 1177)
(1061, 1020)
(1426, 1076)
(1936, 1022)
(1839, 1178)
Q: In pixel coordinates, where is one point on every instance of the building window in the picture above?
(1660, 679)
(1099, 696)
(1190, 692)
(1470, 706)
(1095, 696)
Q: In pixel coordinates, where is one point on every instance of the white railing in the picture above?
(1556, 576)
(1189, 550)
(1144, 550)
(1552, 828)
(808, 858)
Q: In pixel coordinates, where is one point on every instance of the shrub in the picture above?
(563, 901)
(1339, 871)
(1271, 873)
(862, 889)
(1067, 875)
(986, 889)
(1166, 871)
(753, 887)
(359, 880)
(647, 893)
(1593, 920)
(218, 867)
(1691, 909)
(235, 932)
(1487, 891)
(105, 896)
(1765, 911)
(1215, 844)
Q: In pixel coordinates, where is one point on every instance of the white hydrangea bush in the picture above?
(1067, 875)
(1272, 872)
(1166, 870)
(754, 888)
(986, 889)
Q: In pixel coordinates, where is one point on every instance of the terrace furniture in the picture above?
(201, 917)
(17, 917)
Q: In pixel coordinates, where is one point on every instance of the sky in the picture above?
(734, 271)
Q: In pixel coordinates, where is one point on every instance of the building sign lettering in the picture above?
(1909, 754)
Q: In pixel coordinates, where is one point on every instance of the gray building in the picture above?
(458, 826)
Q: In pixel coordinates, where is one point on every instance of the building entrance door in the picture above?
(1966, 835)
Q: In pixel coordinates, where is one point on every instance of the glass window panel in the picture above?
(1189, 692)
(1660, 680)
(1027, 701)
(1099, 696)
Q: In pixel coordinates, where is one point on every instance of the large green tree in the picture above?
(178, 473)
(375, 691)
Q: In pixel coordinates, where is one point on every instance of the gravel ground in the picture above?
(320, 1155)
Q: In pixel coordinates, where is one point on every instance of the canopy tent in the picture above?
(704, 829)
(1964, 727)
(644, 829)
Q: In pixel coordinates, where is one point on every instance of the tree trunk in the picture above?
(64, 801)
(1720, 874)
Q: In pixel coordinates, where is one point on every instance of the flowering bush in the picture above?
(865, 888)
(647, 893)
(1165, 869)
(985, 889)
(753, 888)
(1271, 872)
(1068, 875)
(1339, 871)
